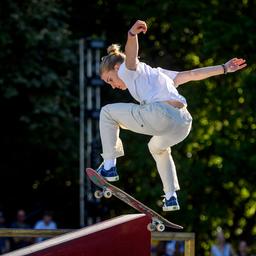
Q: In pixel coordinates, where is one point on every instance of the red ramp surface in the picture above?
(122, 236)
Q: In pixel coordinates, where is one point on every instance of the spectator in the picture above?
(243, 249)
(221, 248)
(4, 242)
(160, 249)
(175, 248)
(20, 223)
(45, 223)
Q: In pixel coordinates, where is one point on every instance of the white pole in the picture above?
(81, 137)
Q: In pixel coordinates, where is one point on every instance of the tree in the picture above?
(37, 106)
(216, 163)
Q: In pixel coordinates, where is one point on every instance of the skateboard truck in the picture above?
(156, 225)
(105, 192)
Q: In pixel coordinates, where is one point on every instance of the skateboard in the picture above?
(107, 190)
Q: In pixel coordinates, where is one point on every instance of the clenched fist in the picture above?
(138, 27)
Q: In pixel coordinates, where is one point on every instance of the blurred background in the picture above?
(39, 110)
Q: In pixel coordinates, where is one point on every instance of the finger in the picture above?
(242, 66)
(234, 59)
(143, 28)
(239, 61)
(143, 31)
(141, 23)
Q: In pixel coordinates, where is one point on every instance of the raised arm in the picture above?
(132, 44)
(232, 65)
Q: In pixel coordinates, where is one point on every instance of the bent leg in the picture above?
(114, 116)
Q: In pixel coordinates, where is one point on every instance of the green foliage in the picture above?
(37, 104)
(216, 163)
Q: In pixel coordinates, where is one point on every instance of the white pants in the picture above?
(168, 126)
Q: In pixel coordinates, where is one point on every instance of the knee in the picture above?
(105, 111)
(156, 150)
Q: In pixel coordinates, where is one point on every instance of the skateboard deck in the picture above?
(158, 222)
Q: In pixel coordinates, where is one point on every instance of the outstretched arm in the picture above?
(232, 65)
(132, 44)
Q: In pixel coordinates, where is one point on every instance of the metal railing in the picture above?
(12, 232)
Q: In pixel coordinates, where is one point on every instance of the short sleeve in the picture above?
(170, 73)
(127, 75)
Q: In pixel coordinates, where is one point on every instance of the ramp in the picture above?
(122, 236)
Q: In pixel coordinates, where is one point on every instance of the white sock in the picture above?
(168, 195)
(109, 163)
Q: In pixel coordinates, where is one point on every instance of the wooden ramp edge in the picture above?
(123, 235)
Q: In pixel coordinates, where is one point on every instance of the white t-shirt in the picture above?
(147, 84)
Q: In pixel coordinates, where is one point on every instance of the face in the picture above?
(111, 77)
(47, 219)
(21, 216)
(220, 237)
(243, 247)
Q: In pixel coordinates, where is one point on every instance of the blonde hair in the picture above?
(114, 57)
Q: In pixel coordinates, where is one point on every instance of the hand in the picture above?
(235, 64)
(138, 27)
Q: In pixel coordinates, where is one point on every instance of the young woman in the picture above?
(162, 111)
(221, 247)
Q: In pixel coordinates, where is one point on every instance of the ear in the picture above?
(117, 66)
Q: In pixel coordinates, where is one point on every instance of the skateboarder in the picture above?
(161, 112)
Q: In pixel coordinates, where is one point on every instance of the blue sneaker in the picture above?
(171, 204)
(109, 175)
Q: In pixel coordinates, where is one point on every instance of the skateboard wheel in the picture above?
(98, 194)
(160, 227)
(151, 227)
(107, 193)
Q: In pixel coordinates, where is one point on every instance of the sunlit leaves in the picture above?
(218, 171)
(193, 59)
